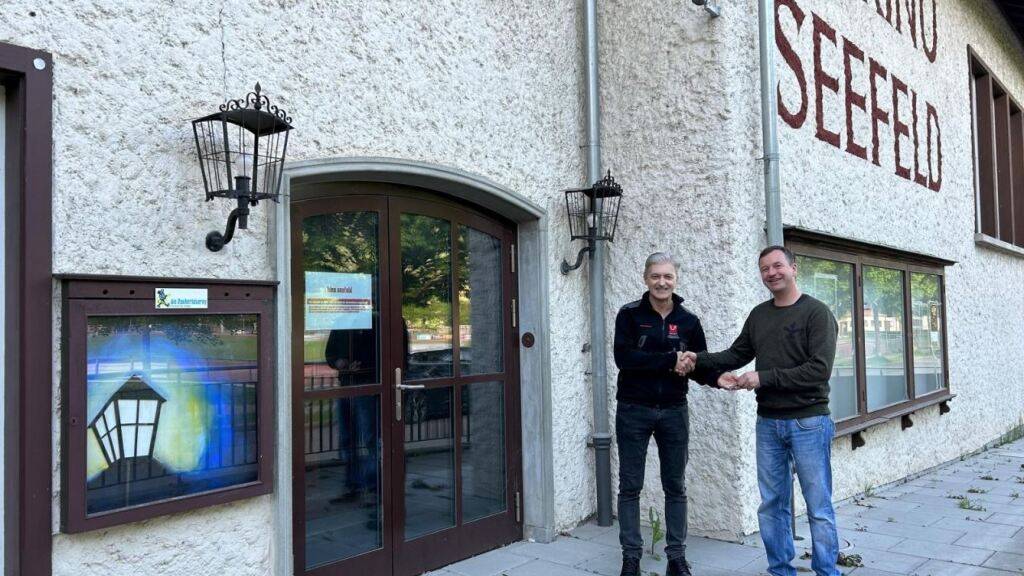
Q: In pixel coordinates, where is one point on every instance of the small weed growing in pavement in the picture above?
(966, 504)
(1019, 479)
(657, 533)
(988, 477)
(1014, 495)
(869, 491)
(973, 490)
(955, 496)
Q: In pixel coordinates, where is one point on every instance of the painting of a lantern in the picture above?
(126, 425)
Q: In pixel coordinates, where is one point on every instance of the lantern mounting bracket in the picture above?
(589, 248)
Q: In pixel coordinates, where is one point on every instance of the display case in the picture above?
(167, 396)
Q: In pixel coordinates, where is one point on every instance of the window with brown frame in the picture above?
(999, 158)
(168, 395)
(890, 307)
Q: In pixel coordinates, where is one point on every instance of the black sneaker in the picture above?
(630, 567)
(678, 567)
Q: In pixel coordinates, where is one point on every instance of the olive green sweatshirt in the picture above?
(795, 346)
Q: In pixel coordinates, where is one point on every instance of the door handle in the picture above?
(398, 392)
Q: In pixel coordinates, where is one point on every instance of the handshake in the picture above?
(687, 361)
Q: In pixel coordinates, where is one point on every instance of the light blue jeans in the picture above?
(808, 443)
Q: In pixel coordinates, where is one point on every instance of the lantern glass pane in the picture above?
(199, 373)
(128, 439)
(147, 411)
(145, 437)
(129, 410)
(101, 428)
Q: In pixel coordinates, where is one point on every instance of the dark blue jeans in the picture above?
(634, 426)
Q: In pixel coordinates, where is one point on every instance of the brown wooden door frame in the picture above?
(453, 544)
(377, 561)
(27, 76)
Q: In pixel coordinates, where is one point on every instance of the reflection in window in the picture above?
(341, 304)
(926, 308)
(483, 450)
(833, 283)
(171, 407)
(480, 302)
(427, 295)
(429, 461)
(343, 478)
(884, 339)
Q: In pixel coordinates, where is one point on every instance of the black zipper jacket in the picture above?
(645, 352)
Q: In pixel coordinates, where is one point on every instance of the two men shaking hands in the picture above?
(687, 361)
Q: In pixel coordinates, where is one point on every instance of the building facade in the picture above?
(417, 242)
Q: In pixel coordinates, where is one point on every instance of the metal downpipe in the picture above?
(769, 113)
(602, 438)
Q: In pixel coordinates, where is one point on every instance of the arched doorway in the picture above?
(405, 384)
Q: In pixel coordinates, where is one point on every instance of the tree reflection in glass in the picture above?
(884, 344)
(926, 308)
(832, 282)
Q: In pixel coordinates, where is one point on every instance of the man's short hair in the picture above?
(790, 257)
(660, 258)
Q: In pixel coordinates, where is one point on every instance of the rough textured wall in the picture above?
(829, 189)
(487, 87)
(676, 103)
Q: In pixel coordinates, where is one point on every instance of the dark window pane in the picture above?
(429, 461)
(833, 283)
(884, 344)
(343, 479)
(483, 450)
(427, 296)
(926, 303)
(985, 124)
(342, 306)
(480, 302)
(171, 407)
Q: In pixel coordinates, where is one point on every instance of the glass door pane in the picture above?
(341, 349)
(428, 424)
(483, 450)
(480, 302)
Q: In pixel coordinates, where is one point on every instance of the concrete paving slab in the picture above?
(1006, 561)
(544, 568)
(490, 564)
(941, 568)
(949, 552)
(564, 550)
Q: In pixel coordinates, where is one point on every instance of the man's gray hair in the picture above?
(661, 258)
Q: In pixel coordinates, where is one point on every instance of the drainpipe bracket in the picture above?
(600, 440)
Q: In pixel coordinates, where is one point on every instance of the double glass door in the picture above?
(405, 394)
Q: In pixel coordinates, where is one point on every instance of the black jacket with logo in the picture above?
(645, 352)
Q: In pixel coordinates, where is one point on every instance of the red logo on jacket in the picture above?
(673, 331)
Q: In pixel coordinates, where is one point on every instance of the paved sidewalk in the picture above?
(965, 519)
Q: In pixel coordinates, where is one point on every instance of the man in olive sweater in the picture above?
(793, 338)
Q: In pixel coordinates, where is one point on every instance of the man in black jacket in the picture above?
(651, 336)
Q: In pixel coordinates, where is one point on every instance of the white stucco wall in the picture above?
(672, 119)
(828, 189)
(489, 88)
(494, 88)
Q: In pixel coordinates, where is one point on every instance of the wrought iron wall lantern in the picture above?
(593, 216)
(241, 153)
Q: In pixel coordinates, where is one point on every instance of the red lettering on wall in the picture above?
(797, 120)
(911, 9)
(898, 127)
(918, 177)
(822, 79)
(875, 71)
(934, 180)
(888, 9)
(933, 50)
(853, 98)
